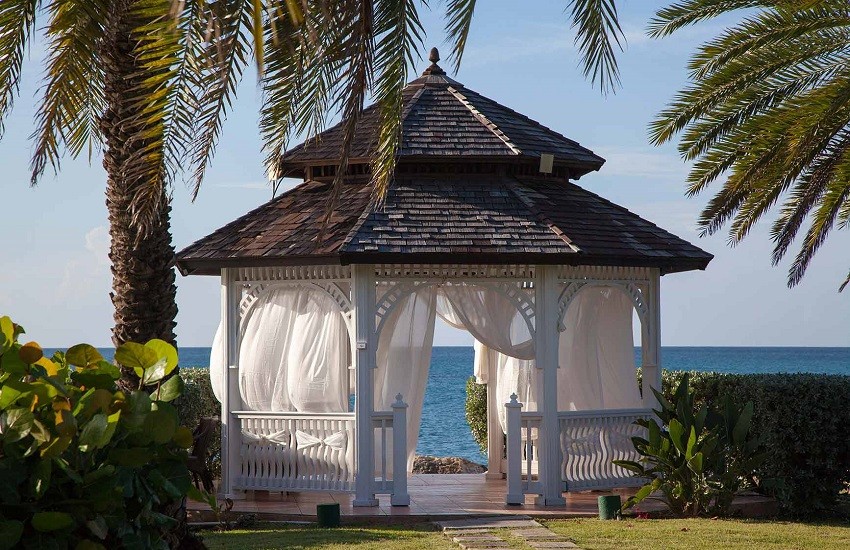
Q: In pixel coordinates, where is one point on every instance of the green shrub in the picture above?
(801, 418)
(198, 401)
(700, 456)
(83, 464)
(476, 411)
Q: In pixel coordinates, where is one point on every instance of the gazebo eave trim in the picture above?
(213, 266)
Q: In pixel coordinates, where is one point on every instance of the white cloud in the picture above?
(89, 265)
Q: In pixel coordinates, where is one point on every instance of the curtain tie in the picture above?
(305, 440)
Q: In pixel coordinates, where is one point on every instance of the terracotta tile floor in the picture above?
(430, 495)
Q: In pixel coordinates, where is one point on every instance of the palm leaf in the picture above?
(458, 22)
(598, 31)
(17, 23)
(73, 97)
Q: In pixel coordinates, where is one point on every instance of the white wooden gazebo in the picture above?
(483, 228)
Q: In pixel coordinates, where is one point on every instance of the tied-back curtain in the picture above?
(596, 353)
(293, 354)
(489, 316)
(512, 376)
(404, 358)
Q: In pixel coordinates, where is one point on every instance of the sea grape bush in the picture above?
(198, 401)
(83, 464)
(698, 458)
(476, 411)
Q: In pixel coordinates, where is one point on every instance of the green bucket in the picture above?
(327, 515)
(609, 506)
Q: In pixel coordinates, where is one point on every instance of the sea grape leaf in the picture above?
(51, 521)
(83, 355)
(170, 390)
(166, 351)
(10, 533)
(136, 356)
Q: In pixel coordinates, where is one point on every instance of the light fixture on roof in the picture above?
(546, 161)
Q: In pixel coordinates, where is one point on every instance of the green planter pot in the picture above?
(327, 515)
(609, 506)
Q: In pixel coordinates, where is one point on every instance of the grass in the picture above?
(408, 537)
(589, 534)
(705, 534)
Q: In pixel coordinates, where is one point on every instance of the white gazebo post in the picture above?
(365, 361)
(546, 357)
(231, 431)
(495, 437)
(651, 340)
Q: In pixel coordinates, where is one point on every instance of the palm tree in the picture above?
(768, 113)
(151, 81)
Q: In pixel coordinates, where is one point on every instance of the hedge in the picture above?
(199, 401)
(803, 418)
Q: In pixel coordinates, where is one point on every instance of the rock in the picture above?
(446, 465)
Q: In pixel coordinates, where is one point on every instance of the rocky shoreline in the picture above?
(424, 464)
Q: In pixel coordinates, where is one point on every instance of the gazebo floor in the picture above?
(441, 496)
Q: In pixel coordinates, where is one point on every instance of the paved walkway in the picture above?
(502, 532)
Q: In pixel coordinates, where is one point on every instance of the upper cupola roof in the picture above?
(442, 120)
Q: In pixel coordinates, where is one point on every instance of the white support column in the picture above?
(365, 361)
(495, 437)
(231, 431)
(651, 340)
(400, 496)
(546, 358)
(513, 417)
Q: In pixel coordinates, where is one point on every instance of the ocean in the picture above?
(444, 431)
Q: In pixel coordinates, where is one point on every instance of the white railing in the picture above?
(391, 458)
(592, 440)
(283, 451)
(522, 452)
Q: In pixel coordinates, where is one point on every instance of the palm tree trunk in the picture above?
(143, 290)
(143, 279)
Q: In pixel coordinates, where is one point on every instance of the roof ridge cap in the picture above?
(514, 186)
(361, 219)
(410, 104)
(489, 124)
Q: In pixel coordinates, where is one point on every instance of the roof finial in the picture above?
(433, 57)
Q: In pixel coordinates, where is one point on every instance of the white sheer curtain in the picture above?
(502, 339)
(293, 355)
(596, 353)
(489, 316)
(404, 357)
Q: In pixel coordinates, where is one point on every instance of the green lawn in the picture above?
(675, 534)
(589, 534)
(409, 537)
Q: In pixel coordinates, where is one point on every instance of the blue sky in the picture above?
(55, 278)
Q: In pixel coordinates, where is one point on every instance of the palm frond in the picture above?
(72, 95)
(401, 31)
(227, 52)
(598, 31)
(355, 83)
(769, 109)
(688, 12)
(459, 15)
(17, 23)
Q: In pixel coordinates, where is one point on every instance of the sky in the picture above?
(55, 277)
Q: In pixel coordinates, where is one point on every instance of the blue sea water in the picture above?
(444, 431)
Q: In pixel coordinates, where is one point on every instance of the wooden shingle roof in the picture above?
(467, 189)
(443, 120)
(476, 219)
